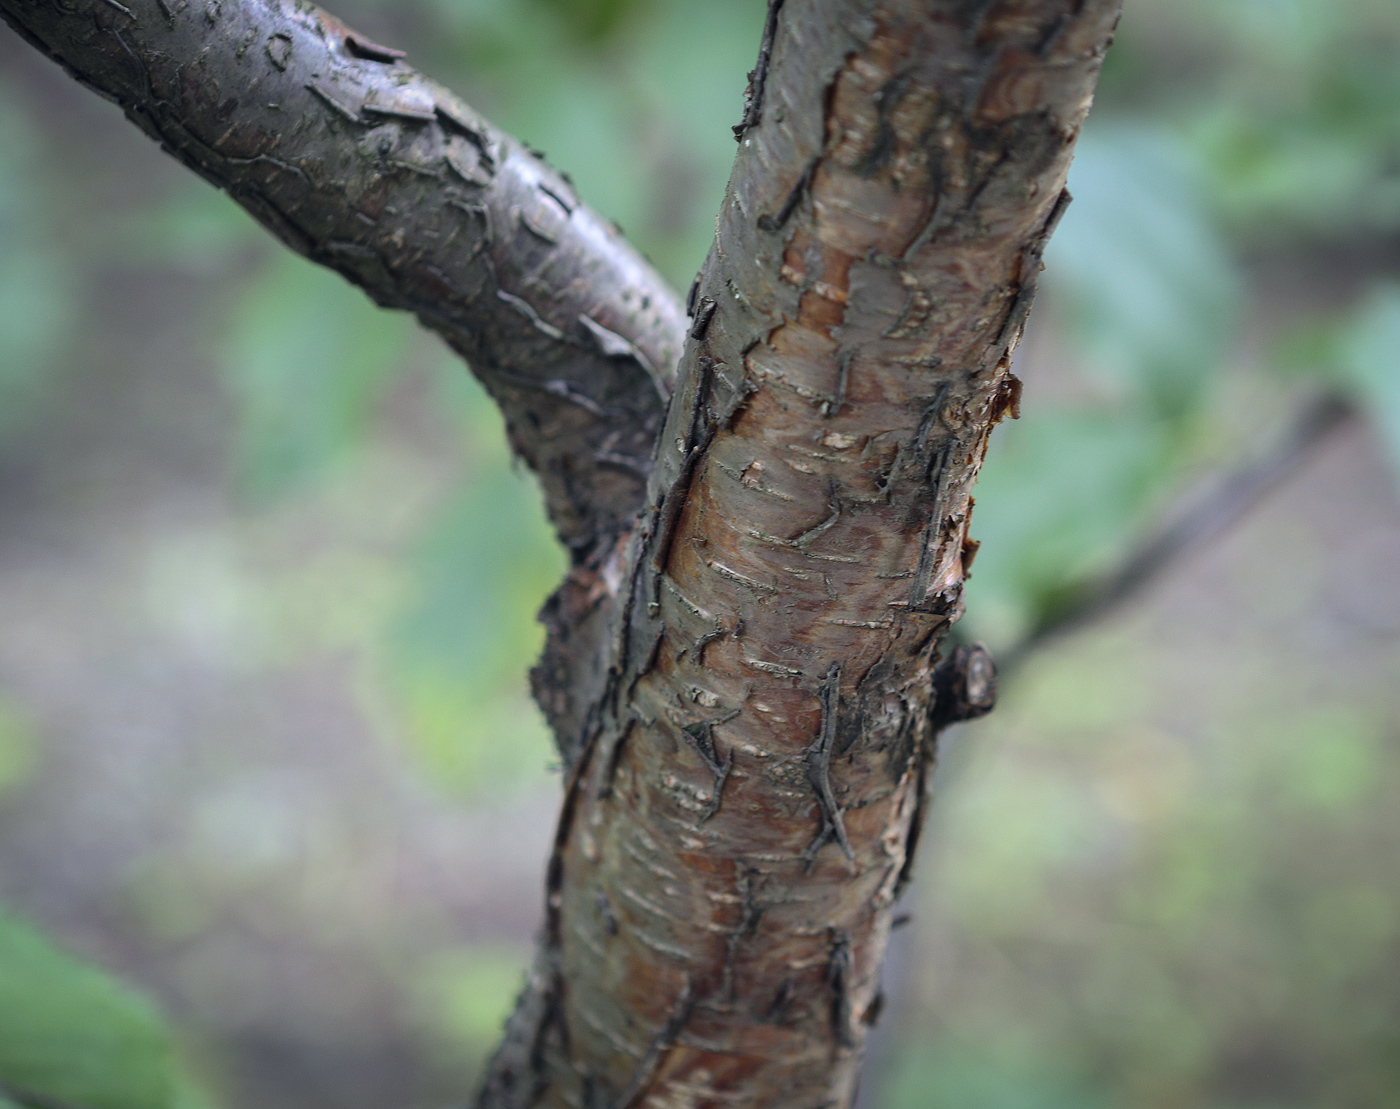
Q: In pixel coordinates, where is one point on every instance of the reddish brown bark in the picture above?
(740, 818)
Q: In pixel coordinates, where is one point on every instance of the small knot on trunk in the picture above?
(965, 686)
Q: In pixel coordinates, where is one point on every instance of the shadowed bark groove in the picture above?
(363, 165)
(740, 815)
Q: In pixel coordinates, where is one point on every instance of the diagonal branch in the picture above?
(363, 165)
(1200, 516)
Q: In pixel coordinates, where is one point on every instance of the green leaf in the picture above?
(308, 357)
(976, 1076)
(1150, 289)
(19, 745)
(467, 638)
(1140, 274)
(469, 991)
(35, 299)
(1370, 362)
(1061, 489)
(72, 1035)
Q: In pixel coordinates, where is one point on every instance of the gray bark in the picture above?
(361, 164)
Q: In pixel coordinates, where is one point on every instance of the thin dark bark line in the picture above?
(1199, 517)
(656, 1050)
(838, 975)
(817, 759)
(753, 97)
(364, 166)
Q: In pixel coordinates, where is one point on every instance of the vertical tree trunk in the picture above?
(741, 812)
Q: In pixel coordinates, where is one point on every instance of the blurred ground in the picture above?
(1163, 874)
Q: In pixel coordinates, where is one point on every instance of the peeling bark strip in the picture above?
(356, 161)
(840, 392)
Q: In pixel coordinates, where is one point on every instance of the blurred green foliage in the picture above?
(1234, 140)
(1132, 914)
(1368, 359)
(35, 294)
(70, 1035)
(19, 745)
(307, 362)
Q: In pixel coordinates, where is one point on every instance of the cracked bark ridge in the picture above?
(801, 559)
(361, 164)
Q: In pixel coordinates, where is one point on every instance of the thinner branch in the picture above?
(1202, 515)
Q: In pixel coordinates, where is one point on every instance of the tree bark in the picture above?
(742, 811)
(747, 691)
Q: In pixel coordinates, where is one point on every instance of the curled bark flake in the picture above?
(526, 309)
(704, 312)
(612, 344)
(822, 527)
(838, 395)
(335, 103)
(362, 47)
(774, 223)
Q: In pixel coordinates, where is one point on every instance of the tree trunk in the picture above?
(741, 815)
(746, 685)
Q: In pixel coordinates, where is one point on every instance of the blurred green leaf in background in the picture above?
(1370, 361)
(35, 296)
(70, 1035)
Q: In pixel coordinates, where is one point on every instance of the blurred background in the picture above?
(267, 579)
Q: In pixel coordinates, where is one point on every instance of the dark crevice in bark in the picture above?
(758, 76)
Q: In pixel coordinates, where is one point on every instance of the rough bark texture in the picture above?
(741, 812)
(748, 692)
(358, 162)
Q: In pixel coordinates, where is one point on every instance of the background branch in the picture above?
(1206, 512)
